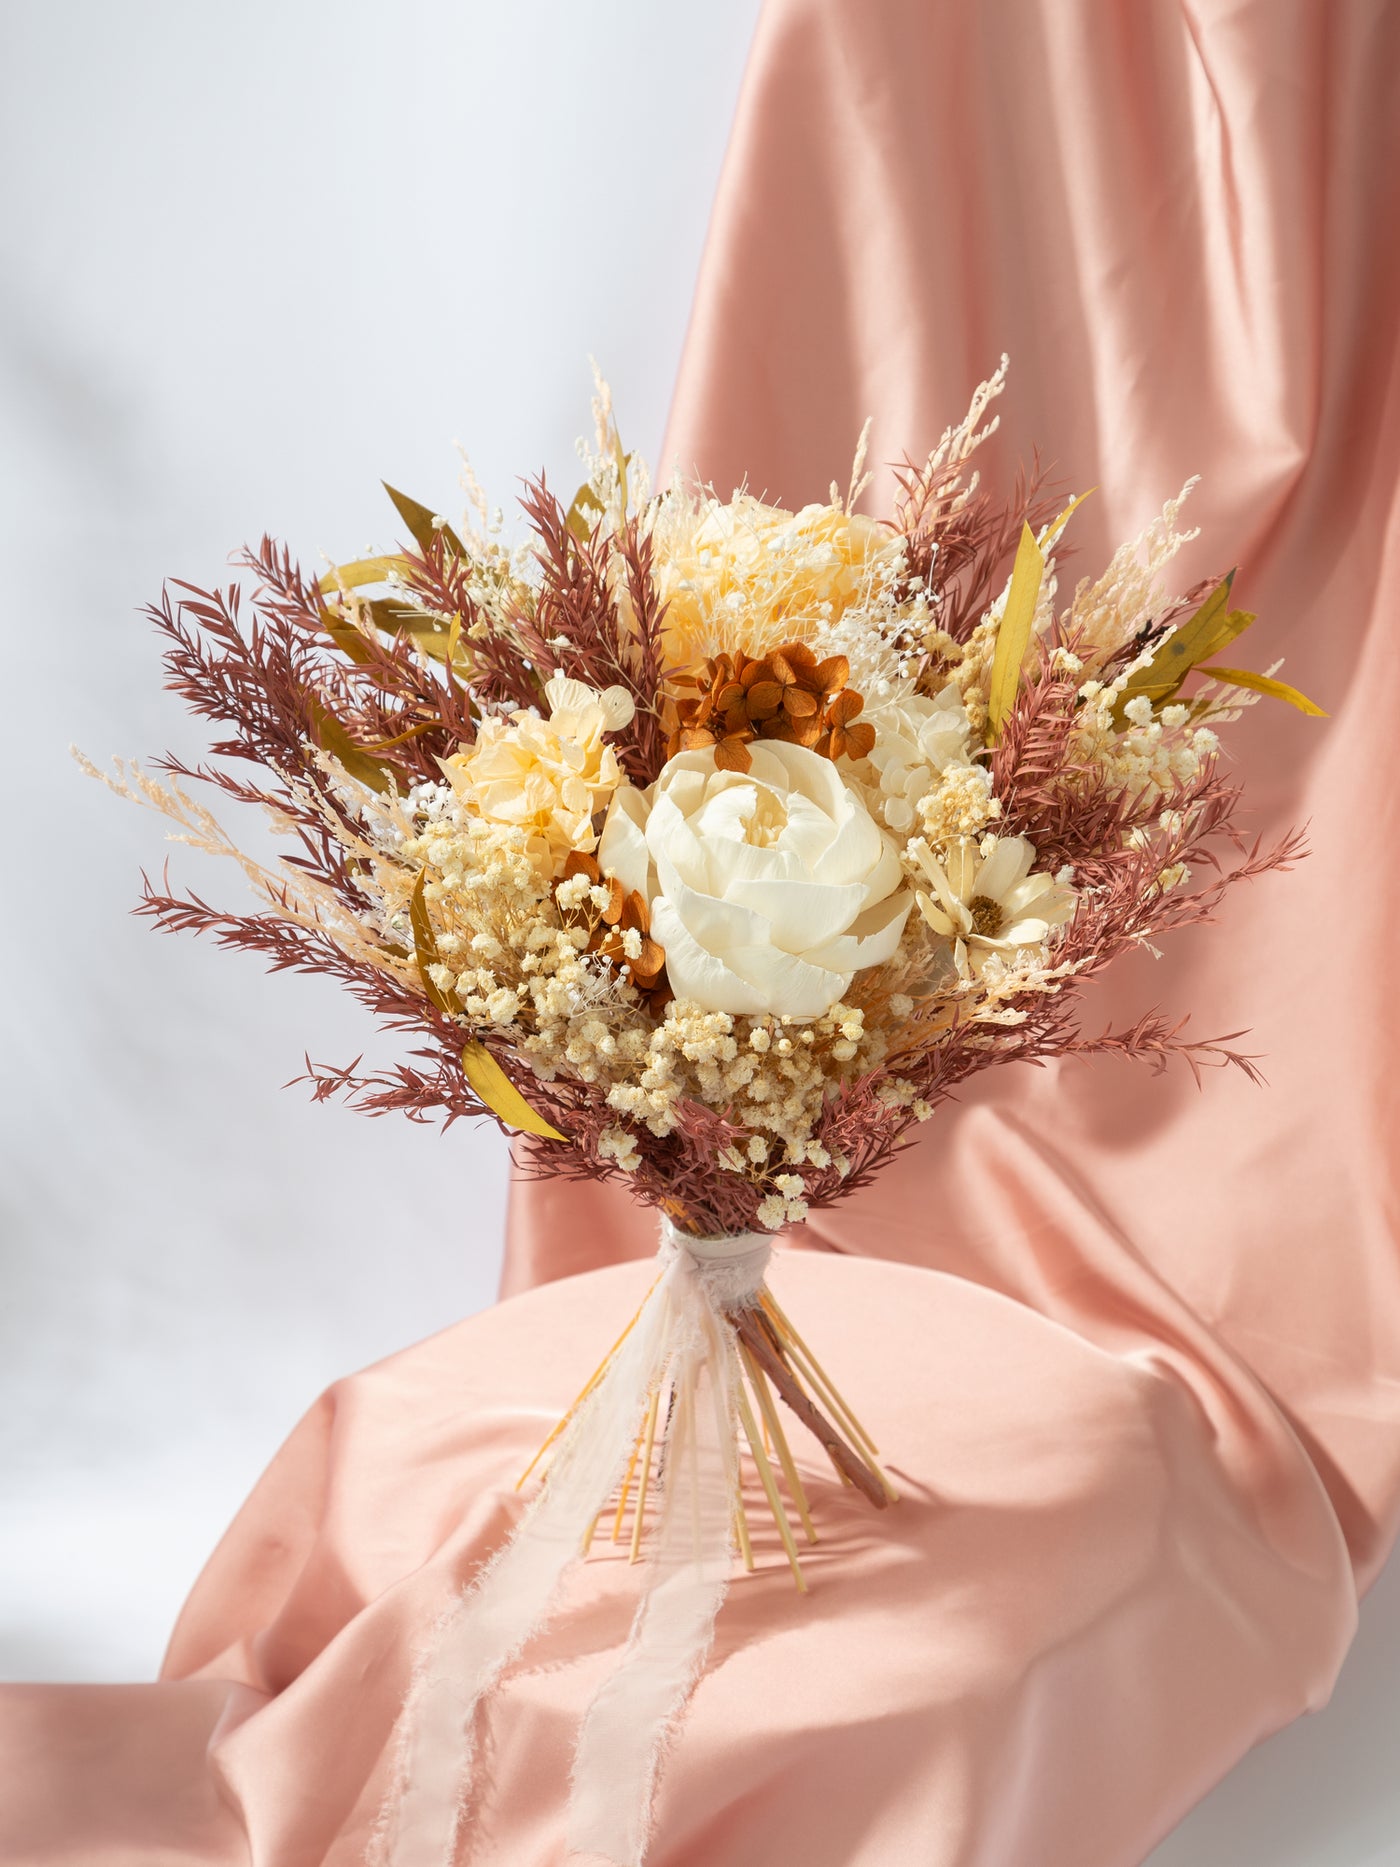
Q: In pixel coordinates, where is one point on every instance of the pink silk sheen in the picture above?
(1108, 1573)
(1147, 1430)
(1179, 220)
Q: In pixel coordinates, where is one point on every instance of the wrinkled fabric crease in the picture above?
(1130, 1348)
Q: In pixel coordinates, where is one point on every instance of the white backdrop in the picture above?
(253, 257)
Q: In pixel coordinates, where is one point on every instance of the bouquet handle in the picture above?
(687, 1388)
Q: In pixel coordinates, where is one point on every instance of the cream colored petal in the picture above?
(1008, 864)
(683, 779)
(698, 975)
(563, 695)
(623, 849)
(1026, 932)
(935, 916)
(950, 901)
(856, 843)
(886, 875)
(960, 869)
(809, 833)
(800, 915)
(619, 708)
(671, 837)
(791, 987)
(577, 796)
(715, 923)
(871, 939)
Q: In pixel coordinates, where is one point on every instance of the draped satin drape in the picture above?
(1179, 221)
(1148, 1432)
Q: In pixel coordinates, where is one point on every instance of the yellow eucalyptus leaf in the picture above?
(1213, 627)
(491, 1084)
(1014, 634)
(1052, 535)
(419, 521)
(425, 949)
(585, 502)
(1265, 684)
(346, 636)
(334, 739)
(355, 575)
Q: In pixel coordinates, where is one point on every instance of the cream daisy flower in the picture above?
(985, 898)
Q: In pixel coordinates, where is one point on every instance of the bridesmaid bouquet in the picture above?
(707, 847)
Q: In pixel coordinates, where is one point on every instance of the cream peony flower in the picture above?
(768, 889)
(749, 575)
(916, 741)
(547, 777)
(989, 902)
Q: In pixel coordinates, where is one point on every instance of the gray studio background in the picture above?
(253, 257)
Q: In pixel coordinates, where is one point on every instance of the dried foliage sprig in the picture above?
(714, 846)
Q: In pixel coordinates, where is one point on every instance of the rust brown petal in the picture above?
(807, 732)
(648, 963)
(833, 674)
(764, 699)
(800, 704)
(797, 655)
(845, 707)
(860, 740)
(732, 755)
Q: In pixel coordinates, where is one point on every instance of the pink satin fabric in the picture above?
(1179, 220)
(1147, 1431)
(1108, 1573)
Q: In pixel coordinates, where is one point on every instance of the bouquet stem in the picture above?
(770, 1358)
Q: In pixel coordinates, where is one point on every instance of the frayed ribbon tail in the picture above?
(678, 1360)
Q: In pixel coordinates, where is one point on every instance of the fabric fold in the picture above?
(1052, 1645)
(1167, 216)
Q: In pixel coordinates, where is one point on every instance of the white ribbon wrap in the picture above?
(681, 1347)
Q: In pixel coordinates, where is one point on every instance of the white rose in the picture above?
(768, 888)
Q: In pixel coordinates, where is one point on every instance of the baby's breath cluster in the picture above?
(772, 1076)
(712, 841)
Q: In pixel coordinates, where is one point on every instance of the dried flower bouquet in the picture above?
(709, 846)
